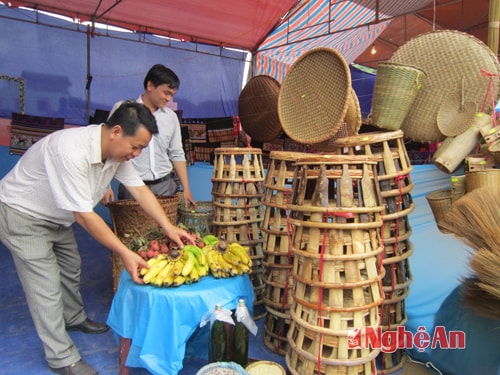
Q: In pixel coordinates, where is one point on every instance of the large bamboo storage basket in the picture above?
(393, 176)
(237, 191)
(396, 88)
(337, 271)
(128, 217)
(278, 258)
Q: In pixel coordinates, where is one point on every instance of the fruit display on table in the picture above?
(170, 266)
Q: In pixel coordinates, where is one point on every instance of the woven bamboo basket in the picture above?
(397, 246)
(128, 217)
(396, 286)
(337, 269)
(316, 349)
(276, 326)
(265, 368)
(440, 203)
(489, 178)
(200, 219)
(445, 55)
(258, 108)
(396, 88)
(237, 192)
(457, 187)
(278, 259)
(393, 165)
(313, 98)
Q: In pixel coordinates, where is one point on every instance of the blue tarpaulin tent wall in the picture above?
(52, 61)
(363, 82)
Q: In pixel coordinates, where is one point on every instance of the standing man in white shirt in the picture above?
(59, 180)
(165, 154)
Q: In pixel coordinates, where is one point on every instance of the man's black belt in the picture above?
(154, 182)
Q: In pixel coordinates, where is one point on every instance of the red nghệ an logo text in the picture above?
(391, 340)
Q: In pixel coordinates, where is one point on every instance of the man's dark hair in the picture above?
(131, 115)
(159, 74)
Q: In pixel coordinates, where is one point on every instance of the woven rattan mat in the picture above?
(448, 57)
(258, 108)
(313, 98)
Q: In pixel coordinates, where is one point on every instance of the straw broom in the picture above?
(475, 219)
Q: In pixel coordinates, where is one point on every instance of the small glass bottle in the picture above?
(239, 350)
(218, 337)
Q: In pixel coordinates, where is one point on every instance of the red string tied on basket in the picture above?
(485, 73)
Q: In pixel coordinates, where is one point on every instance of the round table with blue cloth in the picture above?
(160, 321)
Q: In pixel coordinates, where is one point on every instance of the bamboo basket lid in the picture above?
(258, 108)
(447, 57)
(313, 98)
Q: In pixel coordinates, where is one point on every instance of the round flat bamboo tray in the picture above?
(265, 368)
(313, 98)
(447, 57)
(258, 108)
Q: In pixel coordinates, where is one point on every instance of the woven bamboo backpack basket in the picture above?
(128, 218)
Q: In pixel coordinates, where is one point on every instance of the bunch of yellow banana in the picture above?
(227, 260)
(166, 270)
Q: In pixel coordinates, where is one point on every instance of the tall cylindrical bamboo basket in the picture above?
(237, 193)
(393, 176)
(337, 247)
(278, 258)
(128, 218)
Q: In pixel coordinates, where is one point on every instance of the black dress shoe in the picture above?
(89, 326)
(78, 368)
